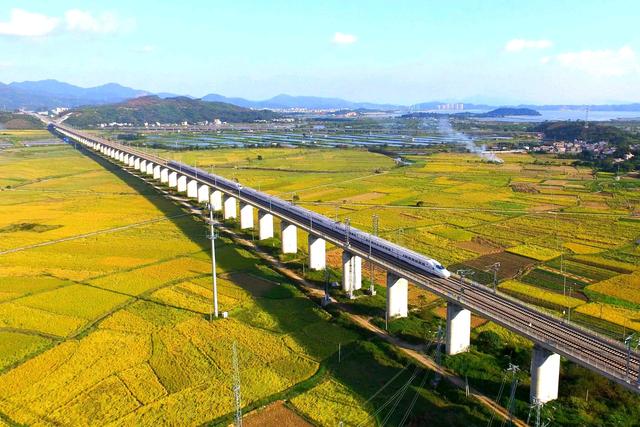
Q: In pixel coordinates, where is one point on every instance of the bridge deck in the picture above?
(584, 347)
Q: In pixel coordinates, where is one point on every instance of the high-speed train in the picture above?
(364, 241)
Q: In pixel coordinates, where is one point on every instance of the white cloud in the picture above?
(518, 45)
(342, 38)
(607, 62)
(79, 20)
(26, 24)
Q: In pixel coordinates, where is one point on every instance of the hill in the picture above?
(153, 109)
(18, 121)
(576, 130)
(510, 111)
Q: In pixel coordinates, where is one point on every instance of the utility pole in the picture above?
(494, 268)
(464, 273)
(627, 343)
(236, 386)
(514, 369)
(212, 236)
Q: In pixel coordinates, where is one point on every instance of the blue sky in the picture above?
(382, 51)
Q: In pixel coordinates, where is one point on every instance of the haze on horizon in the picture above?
(379, 51)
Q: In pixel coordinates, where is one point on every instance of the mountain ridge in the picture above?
(50, 93)
(152, 109)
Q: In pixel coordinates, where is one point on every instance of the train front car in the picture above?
(438, 269)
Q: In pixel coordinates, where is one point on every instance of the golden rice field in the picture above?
(523, 290)
(105, 285)
(625, 287)
(112, 327)
(617, 315)
(348, 408)
(455, 208)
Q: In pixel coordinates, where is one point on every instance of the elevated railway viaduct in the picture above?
(553, 337)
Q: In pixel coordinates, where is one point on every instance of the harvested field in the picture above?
(276, 414)
(511, 265)
(480, 246)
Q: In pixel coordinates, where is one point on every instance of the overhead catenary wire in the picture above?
(392, 398)
(498, 398)
(397, 402)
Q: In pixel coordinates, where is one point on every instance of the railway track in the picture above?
(600, 354)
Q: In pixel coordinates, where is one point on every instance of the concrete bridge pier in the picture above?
(545, 375)
(289, 236)
(182, 183)
(203, 193)
(351, 272)
(157, 172)
(192, 189)
(149, 170)
(173, 179)
(265, 224)
(125, 159)
(121, 157)
(142, 167)
(230, 210)
(317, 253)
(132, 161)
(216, 200)
(164, 175)
(246, 216)
(458, 329)
(397, 296)
(113, 153)
(136, 163)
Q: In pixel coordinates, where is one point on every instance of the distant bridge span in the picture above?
(552, 336)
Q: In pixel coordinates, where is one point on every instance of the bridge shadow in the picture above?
(350, 356)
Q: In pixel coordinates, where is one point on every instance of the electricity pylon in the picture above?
(236, 386)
